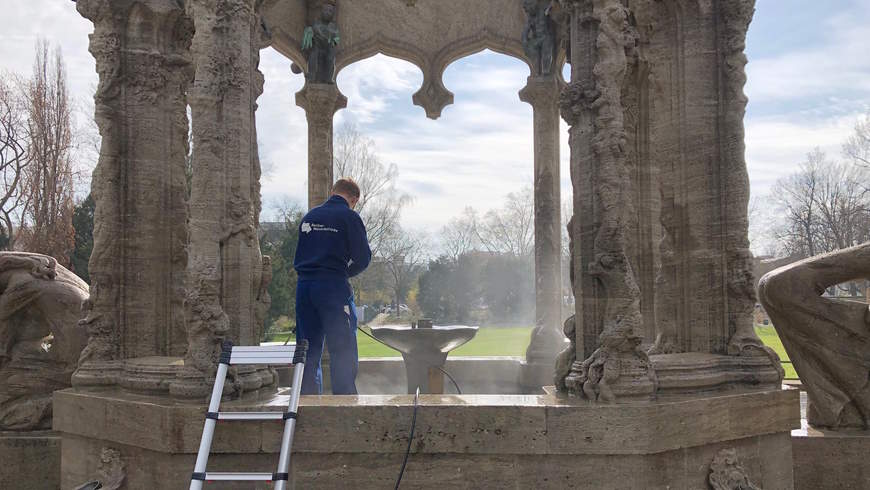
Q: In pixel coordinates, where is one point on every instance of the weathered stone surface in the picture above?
(828, 340)
(40, 336)
(225, 270)
(833, 460)
(139, 186)
(31, 460)
(660, 181)
(470, 441)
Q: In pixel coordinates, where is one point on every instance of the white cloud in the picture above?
(776, 146)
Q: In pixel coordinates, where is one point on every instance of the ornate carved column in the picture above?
(224, 276)
(542, 92)
(140, 222)
(321, 101)
(609, 362)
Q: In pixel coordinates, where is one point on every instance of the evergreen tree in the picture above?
(83, 223)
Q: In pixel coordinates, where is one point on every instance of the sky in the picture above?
(809, 82)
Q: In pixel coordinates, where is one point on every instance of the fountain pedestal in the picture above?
(424, 351)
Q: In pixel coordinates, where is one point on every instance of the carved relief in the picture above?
(618, 367)
(726, 473)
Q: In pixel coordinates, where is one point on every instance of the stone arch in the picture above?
(433, 96)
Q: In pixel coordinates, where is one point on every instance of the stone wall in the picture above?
(460, 441)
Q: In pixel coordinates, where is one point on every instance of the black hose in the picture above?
(410, 439)
(452, 380)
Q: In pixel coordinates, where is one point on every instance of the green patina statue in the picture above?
(539, 36)
(318, 43)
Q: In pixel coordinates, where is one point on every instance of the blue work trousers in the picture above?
(325, 312)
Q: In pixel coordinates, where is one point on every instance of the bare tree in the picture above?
(511, 229)
(403, 255)
(459, 236)
(796, 198)
(48, 177)
(825, 207)
(13, 158)
(857, 147)
(381, 204)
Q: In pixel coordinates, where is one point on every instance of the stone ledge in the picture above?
(471, 424)
(831, 459)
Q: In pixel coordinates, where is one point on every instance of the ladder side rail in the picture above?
(208, 429)
(293, 408)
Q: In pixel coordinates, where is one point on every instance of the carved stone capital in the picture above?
(542, 91)
(320, 101)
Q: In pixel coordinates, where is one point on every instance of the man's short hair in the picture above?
(347, 187)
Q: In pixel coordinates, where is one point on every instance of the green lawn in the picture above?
(512, 341)
(771, 339)
(489, 341)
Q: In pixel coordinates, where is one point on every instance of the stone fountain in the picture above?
(424, 348)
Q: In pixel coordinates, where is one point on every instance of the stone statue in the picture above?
(318, 43)
(539, 37)
(566, 359)
(40, 336)
(827, 339)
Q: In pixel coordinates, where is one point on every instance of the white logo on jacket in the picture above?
(309, 227)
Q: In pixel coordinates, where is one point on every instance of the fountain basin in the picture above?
(424, 351)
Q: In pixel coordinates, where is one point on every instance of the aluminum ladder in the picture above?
(278, 354)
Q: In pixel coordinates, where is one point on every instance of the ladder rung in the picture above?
(209, 476)
(250, 415)
(246, 359)
(265, 348)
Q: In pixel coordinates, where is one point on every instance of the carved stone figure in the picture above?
(566, 359)
(539, 37)
(726, 473)
(112, 472)
(40, 336)
(827, 339)
(318, 43)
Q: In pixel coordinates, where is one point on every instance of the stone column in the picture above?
(140, 222)
(608, 361)
(542, 93)
(224, 276)
(321, 101)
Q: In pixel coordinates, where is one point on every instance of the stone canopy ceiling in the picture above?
(431, 34)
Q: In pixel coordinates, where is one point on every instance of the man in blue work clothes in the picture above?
(332, 248)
